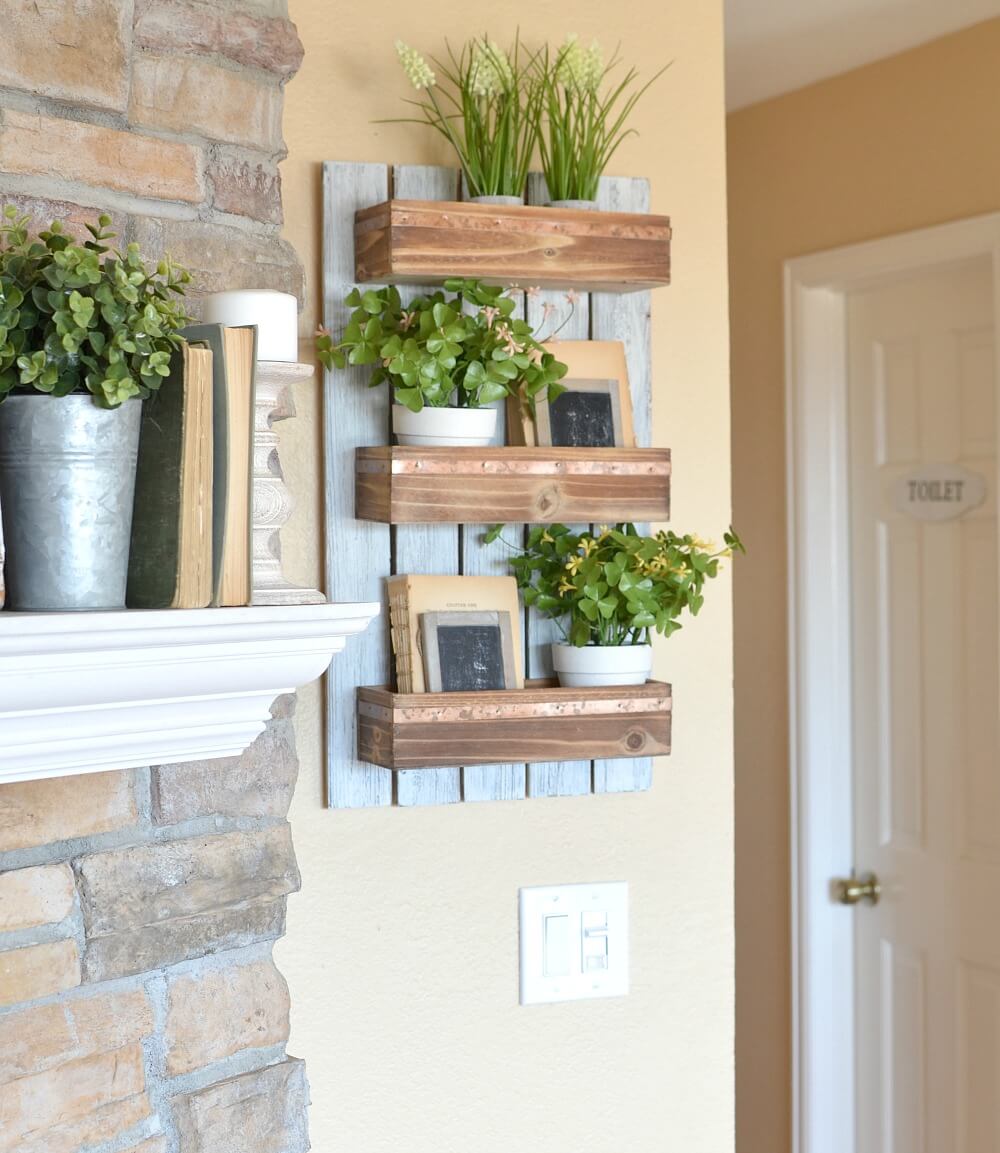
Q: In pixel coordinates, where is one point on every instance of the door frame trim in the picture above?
(819, 656)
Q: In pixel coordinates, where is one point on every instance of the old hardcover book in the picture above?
(412, 596)
(235, 353)
(170, 556)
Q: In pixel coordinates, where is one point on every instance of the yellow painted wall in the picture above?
(901, 144)
(402, 948)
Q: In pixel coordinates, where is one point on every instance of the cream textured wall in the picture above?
(898, 145)
(402, 948)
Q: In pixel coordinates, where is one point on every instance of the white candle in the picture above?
(276, 315)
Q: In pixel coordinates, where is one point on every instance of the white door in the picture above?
(924, 629)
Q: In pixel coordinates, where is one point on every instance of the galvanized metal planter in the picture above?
(67, 483)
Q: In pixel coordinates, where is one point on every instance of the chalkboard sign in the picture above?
(586, 415)
(467, 651)
(582, 420)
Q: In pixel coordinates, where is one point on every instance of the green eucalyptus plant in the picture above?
(584, 117)
(615, 586)
(466, 350)
(83, 317)
(491, 107)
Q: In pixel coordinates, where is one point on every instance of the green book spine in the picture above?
(155, 544)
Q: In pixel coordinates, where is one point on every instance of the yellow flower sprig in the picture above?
(617, 586)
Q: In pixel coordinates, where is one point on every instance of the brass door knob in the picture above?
(855, 889)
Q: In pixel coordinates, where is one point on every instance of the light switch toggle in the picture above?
(555, 944)
(594, 937)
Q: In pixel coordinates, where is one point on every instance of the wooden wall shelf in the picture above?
(426, 242)
(517, 485)
(541, 722)
(620, 247)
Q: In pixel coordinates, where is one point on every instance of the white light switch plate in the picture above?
(574, 942)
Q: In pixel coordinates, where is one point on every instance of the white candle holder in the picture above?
(272, 502)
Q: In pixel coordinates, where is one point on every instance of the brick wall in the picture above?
(140, 1009)
(139, 1005)
(167, 114)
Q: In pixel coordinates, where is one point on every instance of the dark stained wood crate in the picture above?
(518, 485)
(426, 242)
(541, 722)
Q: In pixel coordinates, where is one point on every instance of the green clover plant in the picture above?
(615, 586)
(466, 350)
(82, 317)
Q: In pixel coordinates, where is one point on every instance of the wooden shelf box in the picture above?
(428, 241)
(516, 485)
(541, 722)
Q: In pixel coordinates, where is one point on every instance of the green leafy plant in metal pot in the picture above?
(83, 317)
(615, 586)
(465, 350)
(488, 111)
(585, 111)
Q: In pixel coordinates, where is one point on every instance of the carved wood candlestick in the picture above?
(272, 502)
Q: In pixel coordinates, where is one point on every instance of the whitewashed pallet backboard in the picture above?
(361, 554)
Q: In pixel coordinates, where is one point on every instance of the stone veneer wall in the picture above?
(167, 114)
(140, 1010)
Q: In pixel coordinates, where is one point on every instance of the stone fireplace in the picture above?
(140, 1009)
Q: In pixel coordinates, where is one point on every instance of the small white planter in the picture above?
(594, 666)
(579, 205)
(444, 427)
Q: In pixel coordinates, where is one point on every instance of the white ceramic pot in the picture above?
(502, 201)
(579, 205)
(444, 427)
(594, 665)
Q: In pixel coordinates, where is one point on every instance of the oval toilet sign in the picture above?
(939, 491)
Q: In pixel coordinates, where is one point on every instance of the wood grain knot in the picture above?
(548, 500)
(635, 740)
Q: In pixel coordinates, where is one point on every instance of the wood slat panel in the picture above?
(506, 780)
(502, 781)
(557, 778)
(414, 242)
(540, 723)
(422, 548)
(626, 318)
(519, 485)
(357, 552)
(356, 417)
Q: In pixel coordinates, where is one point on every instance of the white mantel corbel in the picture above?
(87, 692)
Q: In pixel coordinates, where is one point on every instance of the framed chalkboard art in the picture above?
(468, 651)
(595, 411)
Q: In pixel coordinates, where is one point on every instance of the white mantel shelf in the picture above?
(88, 692)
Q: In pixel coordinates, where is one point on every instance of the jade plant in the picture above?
(84, 317)
(465, 350)
(614, 586)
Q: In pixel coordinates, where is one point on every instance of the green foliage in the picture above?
(82, 317)
(497, 106)
(615, 586)
(492, 105)
(582, 126)
(437, 351)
